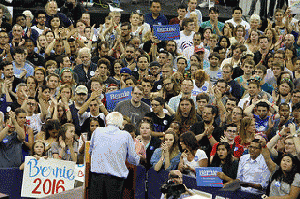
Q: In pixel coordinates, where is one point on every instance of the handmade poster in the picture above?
(295, 6)
(79, 171)
(44, 177)
(166, 32)
(112, 98)
(207, 177)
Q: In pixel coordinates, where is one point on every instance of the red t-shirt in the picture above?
(237, 151)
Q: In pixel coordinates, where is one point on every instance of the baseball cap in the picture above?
(199, 49)
(154, 63)
(125, 70)
(81, 89)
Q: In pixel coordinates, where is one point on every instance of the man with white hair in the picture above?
(86, 70)
(27, 32)
(255, 22)
(109, 149)
(51, 9)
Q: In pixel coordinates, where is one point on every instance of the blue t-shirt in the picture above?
(160, 20)
(261, 125)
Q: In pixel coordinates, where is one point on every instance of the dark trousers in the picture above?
(105, 186)
(263, 8)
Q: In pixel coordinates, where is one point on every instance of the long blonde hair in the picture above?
(174, 150)
(245, 123)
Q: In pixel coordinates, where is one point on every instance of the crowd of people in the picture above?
(223, 95)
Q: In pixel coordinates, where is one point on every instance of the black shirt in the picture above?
(15, 105)
(84, 77)
(198, 128)
(230, 169)
(237, 71)
(16, 82)
(258, 56)
(5, 27)
(86, 124)
(111, 80)
(36, 59)
(157, 86)
(236, 89)
(74, 112)
(160, 124)
(154, 144)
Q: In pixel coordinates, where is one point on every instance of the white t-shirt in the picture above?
(243, 23)
(229, 61)
(184, 41)
(146, 28)
(35, 122)
(204, 88)
(189, 51)
(200, 155)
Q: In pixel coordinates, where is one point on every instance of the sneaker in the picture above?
(203, 4)
(211, 4)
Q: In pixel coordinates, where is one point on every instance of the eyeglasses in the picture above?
(285, 80)
(231, 131)
(190, 85)
(155, 105)
(81, 94)
(31, 104)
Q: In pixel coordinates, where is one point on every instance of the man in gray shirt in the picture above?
(214, 70)
(134, 108)
(11, 139)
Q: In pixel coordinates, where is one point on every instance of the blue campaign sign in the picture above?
(166, 32)
(207, 177)
(112, 98)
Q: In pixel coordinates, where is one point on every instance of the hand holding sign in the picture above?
(45, 177)
(167, 32)
(208, 176)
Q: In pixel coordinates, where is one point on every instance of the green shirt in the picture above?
(207, 24)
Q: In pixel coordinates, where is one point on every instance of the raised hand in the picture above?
(23, 73)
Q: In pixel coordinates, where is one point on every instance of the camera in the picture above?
(172, 189)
